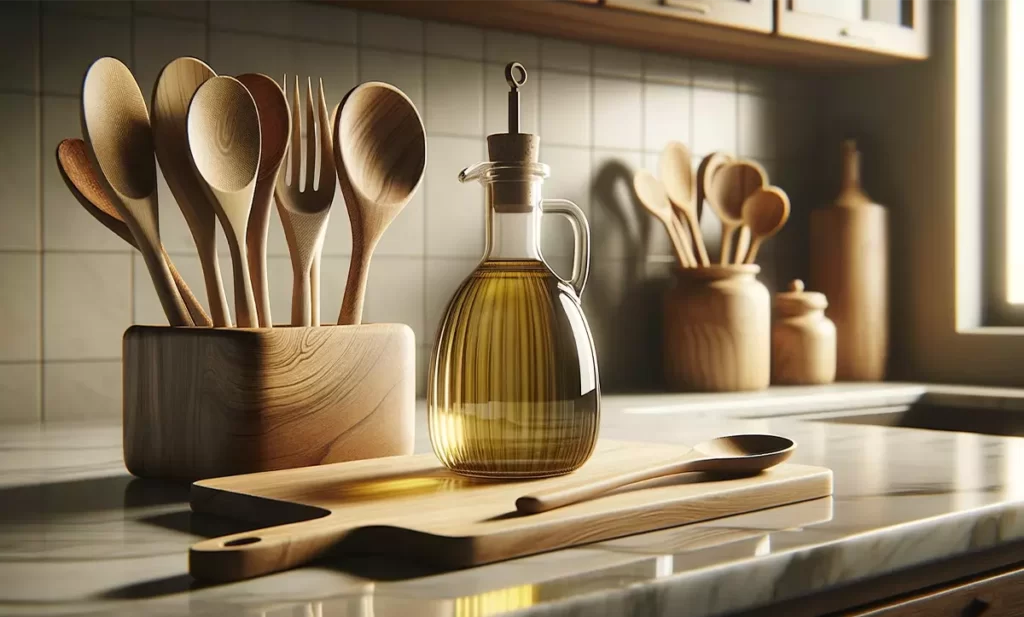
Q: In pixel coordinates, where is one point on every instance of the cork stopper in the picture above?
(514, 148)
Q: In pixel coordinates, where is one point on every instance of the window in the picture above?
(1002, 101)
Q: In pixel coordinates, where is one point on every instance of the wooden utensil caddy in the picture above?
(209, 402)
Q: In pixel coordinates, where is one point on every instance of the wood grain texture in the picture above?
(717, 329)
(115, 126)
(764, 214)
(652, 195)
(275, 126)
(200, 403)
(305, 210)
(174, 89)
(731, 185)
(80, 177)
(380, 150)
(629, 28)
(675, 167)
(850, 265)
(803, 339)
(224, 141)
(412, 507)
(996, 595)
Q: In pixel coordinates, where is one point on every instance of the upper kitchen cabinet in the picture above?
(892, 27)
(756, 15)
(813, 33)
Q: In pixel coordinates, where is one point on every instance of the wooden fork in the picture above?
(305, 210)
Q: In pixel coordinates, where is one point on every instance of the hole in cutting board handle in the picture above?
(242, 541)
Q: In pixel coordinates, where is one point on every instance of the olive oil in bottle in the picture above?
(513, 387)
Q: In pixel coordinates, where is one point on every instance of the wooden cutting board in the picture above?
(412, 507)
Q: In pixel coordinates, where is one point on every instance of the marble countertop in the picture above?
(79, 536)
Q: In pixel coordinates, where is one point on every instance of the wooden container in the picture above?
(803, 339)
(850, 265)
(209, 402)
(717, 330)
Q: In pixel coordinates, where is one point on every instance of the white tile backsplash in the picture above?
(504, 47)
(21, 393)
(617, 62)
(667, 115)
(87, 305)
(565, 55)
(20, 314)
(72, 287)
(455, 97)
(71, 43)
(459, 41)
(618, 113)
(19, 46)
(19, 172)
(565, 108)
(714, 121)
(390, 32)
(455, 211)
(76, 391)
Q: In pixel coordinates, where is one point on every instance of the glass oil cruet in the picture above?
(513, 389)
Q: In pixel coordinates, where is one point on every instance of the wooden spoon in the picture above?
(709, 165)
(175, 87)
(380, 151)
(653, 197)
(764, 212)
(80, 177)
(224, 139)
(676, 169)
(730, 187)
(735, 454)
(275, 124)
(115, 124)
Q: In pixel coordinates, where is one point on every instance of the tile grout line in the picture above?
(41, 374)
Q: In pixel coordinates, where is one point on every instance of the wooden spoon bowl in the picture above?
(764, 213)
(380, 151)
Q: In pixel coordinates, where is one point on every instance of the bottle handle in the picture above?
(581, 239)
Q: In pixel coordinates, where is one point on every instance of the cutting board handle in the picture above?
(263, 551)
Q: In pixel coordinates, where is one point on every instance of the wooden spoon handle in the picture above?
(255, 553)
(166, 290)
(742, 245)
(355, 287)
(314, 289)
(195, 308)
(684, 242)
(246, 315)
(725, 258)
(302, 312)
(752, 253)
(256, 244)
(698, 237)
(545, 500)
(671, 225)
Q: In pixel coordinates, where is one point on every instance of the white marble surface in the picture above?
(79, 536)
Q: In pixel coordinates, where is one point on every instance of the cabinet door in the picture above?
(744, 14)
(893, 27)
(1001, 595)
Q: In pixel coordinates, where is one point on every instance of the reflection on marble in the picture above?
(79, 536)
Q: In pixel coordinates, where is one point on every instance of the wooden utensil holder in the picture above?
(717, 330)
(209, 402)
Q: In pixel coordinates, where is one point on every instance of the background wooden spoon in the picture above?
(676, 170)
(174, 89)
(764, 213)
(380, 151)
(653, 197)
(275, 124)
(115, 124)
(730, 187)
(224, 139)
(80, 177)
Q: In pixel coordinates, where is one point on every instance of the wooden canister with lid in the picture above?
(803, 339)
